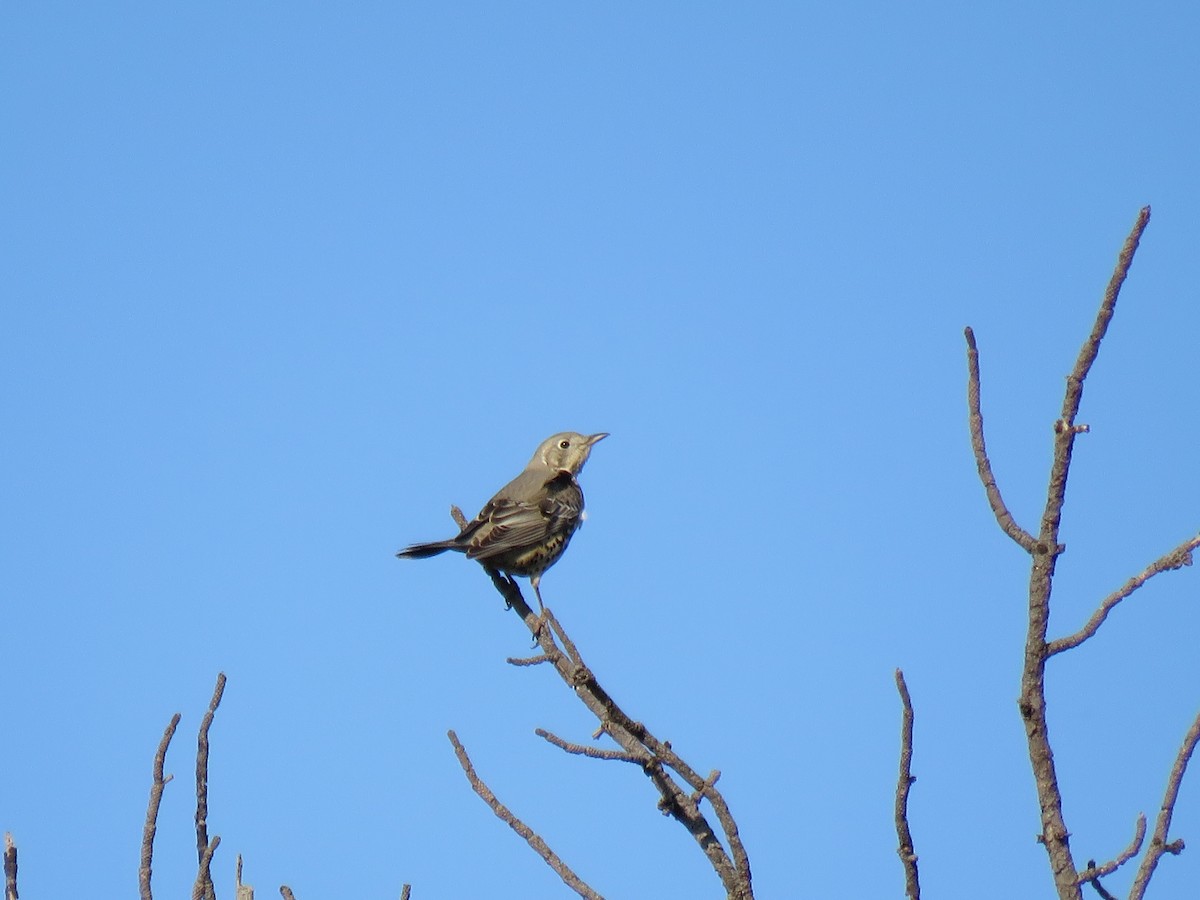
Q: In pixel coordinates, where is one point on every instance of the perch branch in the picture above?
(636, 740)
(1158, 842)
(506, 815)
(1178, 558)
(906, 850)
(156, 790)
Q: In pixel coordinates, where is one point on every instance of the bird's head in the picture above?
(566, 451)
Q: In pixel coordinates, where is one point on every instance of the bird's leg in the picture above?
(536, 581)
(512, 583)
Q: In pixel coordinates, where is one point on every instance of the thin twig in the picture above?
(202, 842)
(204, 873)
(156, 790)
(1158, 843)
(585, 750)
(506, 815)
(405, 892)
(1003, 517)
(1093, 871)
(528, 660)
(906, 850)
(1178, 558)
(10, 867)
(286, 892)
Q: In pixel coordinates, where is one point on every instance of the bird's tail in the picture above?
(424, 551)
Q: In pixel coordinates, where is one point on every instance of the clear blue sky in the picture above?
(282, 284)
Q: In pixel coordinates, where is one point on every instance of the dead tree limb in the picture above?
(1045, 550)
(151, 827)
(203, 845)
(10, 867)
(539, 846)
(906, 850)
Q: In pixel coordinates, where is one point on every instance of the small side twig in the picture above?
(1158, 843)
(204, 873)
(1176, 559)
(405, 892)
(242, 891)
(506, 815)
(286, 892)
(10, 867)
(585, 750)
(528, 660)
(1094, 872)
(151, 827)
(906, 851)
(1005, 519)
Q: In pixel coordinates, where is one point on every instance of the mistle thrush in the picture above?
(525, 528)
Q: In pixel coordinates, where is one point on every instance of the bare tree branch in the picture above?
(10, 867)
(1003, 517)
(1158, 843)
(405, 892)
(506, 815)
(585, 750)
(1178, 558)
(906, 850)
(1045, 550)
(202, 842)
(204, 874)
(1094, 872)
(286, 892)
(151, 827)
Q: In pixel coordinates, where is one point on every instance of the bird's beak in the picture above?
(596, 438)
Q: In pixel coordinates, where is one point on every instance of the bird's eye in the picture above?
(564, 444)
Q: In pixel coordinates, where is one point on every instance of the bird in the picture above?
(526, 526)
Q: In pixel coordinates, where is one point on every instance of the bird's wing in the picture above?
(509, 525)
(517, 524)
